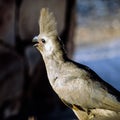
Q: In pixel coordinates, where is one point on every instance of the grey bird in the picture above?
(79, 87)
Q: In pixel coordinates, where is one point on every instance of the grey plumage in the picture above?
(77, 85)
(47, 23)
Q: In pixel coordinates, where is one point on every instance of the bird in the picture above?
(77, 85)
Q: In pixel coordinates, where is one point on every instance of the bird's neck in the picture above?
(53, 65)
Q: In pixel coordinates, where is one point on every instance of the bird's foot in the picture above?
(91, 116)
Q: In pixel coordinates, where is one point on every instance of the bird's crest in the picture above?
(47, 23)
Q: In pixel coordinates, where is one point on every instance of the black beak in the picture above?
(35, 40)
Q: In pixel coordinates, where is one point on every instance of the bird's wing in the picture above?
(93, 92)
(102, 94)
(102, 97)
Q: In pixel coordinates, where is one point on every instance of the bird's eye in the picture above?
(43, 40)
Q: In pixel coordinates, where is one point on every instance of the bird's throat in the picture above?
(53, 65)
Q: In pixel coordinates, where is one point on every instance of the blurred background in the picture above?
(90, 30)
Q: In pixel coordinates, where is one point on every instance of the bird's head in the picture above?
(47, 41)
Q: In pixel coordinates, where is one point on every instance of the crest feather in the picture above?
(47, 23)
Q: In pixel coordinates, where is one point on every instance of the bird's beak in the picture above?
(35, 40)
